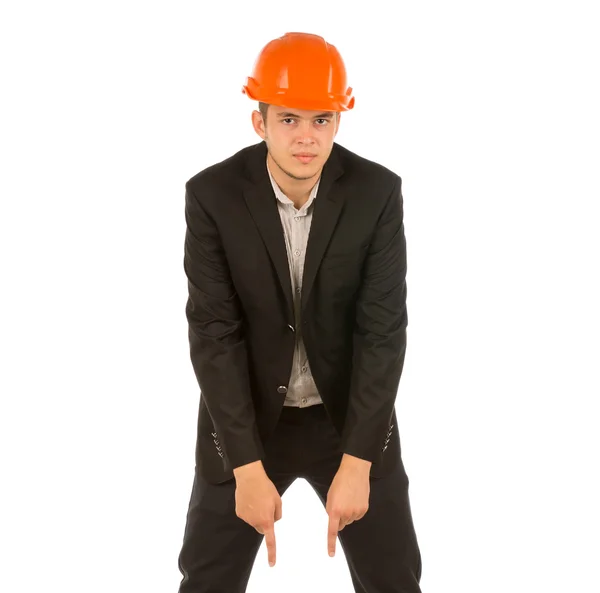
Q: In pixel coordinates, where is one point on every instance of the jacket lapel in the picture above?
(327, 208)
(262, 204)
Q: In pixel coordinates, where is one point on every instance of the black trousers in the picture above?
(381, 549)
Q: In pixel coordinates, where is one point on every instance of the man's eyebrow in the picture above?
(288, 114)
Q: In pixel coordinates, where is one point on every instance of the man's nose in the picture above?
(305, 132)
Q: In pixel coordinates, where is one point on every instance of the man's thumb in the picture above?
(278, 510)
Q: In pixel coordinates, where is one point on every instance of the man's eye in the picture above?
(292, 119)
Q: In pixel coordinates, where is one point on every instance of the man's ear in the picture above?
(258, 123)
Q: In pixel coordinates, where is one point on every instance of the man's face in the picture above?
(290, 132)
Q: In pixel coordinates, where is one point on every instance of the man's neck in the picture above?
(299, 202)
(297, 190)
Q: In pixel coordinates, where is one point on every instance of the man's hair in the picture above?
(263, 108)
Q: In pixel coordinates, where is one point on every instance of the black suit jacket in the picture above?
(241, 315)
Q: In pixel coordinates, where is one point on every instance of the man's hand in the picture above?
(348, 497)
(257, 502)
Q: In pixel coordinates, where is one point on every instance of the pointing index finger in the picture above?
(270, 541)
(334, 523)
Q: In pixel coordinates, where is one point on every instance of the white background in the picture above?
(489, 113)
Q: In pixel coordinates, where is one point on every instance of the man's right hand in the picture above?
(257, 502)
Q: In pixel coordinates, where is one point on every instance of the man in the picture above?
(295, 256)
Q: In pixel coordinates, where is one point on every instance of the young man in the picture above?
(295, 255)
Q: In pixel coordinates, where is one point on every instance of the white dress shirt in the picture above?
(302, 391)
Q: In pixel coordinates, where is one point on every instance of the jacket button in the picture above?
(282, 389)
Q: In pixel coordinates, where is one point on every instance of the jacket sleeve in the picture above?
(216, 336)
(379, 336)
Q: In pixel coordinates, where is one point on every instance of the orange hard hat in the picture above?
(300, 70)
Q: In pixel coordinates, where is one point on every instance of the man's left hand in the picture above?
(348, 497)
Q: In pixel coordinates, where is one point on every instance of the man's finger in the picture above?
(270, 541)
(332, 532)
